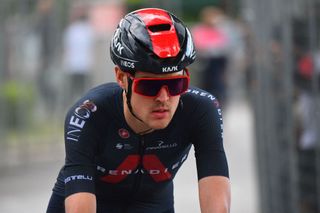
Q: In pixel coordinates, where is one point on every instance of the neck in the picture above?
(135, 124)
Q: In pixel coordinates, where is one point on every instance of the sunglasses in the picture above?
(150, 87)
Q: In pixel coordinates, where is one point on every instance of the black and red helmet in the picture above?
(152, 40)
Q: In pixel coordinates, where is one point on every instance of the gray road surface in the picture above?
(27, 188)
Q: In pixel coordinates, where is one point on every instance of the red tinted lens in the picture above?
(151, 86)
(177, 86)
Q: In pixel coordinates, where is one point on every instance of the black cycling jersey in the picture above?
(129, 172)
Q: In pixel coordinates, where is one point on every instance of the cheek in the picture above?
(175, 102)
(140, 103)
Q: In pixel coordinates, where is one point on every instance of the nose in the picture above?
(163, 94)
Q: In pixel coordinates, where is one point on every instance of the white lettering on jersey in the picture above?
(203, 94)
(76, 122)
(77, 177)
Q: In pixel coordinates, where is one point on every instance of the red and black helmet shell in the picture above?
(152, 40)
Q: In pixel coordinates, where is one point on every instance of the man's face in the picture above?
(156, 112)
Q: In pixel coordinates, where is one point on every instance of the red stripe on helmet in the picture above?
(165, 43)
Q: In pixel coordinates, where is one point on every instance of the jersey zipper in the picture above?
(137, 181)
(138, 176)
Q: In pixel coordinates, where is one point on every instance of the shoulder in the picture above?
(199, 105)
(103, 93)
(104, 90)
(196, 96)
(101, 98)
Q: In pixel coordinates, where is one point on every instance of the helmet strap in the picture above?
(128, 96)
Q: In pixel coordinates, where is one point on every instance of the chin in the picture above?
(159, 124)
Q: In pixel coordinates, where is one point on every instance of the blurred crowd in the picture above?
(220, 42)
(58, 51)
(307, 79)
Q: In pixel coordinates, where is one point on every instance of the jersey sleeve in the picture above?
(207, 138)
(81, 138)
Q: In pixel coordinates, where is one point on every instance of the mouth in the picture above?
(160, 113)
(160, 110)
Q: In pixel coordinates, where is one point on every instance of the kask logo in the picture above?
(116, 41)
(170, 69)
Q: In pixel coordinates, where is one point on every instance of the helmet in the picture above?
(152, 40)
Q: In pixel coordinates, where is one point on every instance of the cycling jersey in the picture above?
(129, 172)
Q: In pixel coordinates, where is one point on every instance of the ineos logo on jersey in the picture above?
(78, 120)
(85, 109)
(82, 113)
(170, 69)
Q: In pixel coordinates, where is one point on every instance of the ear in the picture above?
(121, 77)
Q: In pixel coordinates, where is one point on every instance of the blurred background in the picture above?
(260, 58)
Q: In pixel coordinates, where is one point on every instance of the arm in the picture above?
(212, 166)
(81, 142)
(214, 194)
(82, 202)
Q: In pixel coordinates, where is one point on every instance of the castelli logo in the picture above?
(123, 133)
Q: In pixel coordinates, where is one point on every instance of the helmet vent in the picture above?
(159, 27)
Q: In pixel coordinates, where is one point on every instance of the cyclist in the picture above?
(125, 141)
